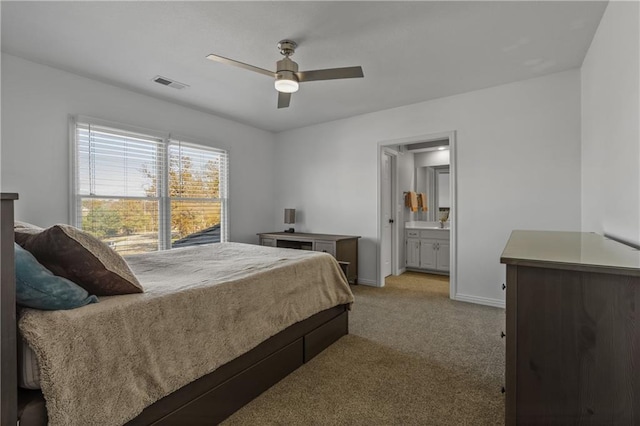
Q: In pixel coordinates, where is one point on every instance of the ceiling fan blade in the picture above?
(283, 100)
(330, 74)
(224, 60)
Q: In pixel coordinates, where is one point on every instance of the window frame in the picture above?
(163, 198)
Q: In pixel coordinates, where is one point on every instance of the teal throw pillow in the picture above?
(38, 288)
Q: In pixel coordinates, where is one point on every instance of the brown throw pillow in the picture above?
(82, 258)
(22, 230)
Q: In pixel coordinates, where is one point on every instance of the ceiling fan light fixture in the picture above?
(287, 76)
(286, 82)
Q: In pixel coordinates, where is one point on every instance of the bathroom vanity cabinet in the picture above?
(427, 249)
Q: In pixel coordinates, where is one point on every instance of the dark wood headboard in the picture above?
(8, 348)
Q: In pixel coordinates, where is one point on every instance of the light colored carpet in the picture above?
(413, 357)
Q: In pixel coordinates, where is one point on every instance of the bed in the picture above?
(209, 334)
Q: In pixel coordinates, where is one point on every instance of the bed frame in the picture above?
(208, 400)
(8, 347)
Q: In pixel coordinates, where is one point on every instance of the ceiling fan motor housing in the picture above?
(286, 64)
(286, 69)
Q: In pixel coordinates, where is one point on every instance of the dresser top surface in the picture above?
(571, 250)
(307, 236)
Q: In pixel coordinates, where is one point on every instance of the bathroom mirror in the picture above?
(433, 181)
(432, 178)
(442, 190)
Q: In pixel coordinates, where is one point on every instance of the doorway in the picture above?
(393, 183)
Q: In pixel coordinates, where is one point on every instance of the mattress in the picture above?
(28, 369)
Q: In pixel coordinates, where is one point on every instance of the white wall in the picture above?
(518, 158)
(610, 125)
(518, 161)
(36, 104)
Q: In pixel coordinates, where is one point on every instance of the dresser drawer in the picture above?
(326, 247)
(271, 242)
(320, 338)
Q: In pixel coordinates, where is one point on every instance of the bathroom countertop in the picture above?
(426, 225)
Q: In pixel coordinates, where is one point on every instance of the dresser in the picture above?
(572, 329)
(343, 247)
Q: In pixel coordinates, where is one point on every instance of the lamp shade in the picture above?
(286, 82)
(289, 215)
(286, 86)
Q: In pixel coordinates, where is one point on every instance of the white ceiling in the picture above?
(409, 51)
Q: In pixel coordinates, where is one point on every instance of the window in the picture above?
(141, 192)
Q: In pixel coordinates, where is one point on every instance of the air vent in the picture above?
(168, 82)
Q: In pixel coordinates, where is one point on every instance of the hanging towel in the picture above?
(422, 201)
(411, 201)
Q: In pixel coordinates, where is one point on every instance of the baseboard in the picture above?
(497, 303)
(428, 271)
(372, 283)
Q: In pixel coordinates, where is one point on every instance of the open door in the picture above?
(386, 243)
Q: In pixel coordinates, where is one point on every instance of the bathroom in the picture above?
(427, 207)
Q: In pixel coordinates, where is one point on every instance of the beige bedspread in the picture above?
(202, 307)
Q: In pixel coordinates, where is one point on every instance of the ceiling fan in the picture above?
(287, 77)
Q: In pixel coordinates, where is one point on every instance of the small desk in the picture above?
(343, 247)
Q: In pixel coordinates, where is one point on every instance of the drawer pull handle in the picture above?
(502, 334)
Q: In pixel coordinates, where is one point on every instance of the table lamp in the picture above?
(290, 217)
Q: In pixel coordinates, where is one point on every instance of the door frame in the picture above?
(388, 146)
(393, 170)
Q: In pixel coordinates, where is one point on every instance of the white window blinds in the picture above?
(197, 189)
(112, 162)
(141, 193)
